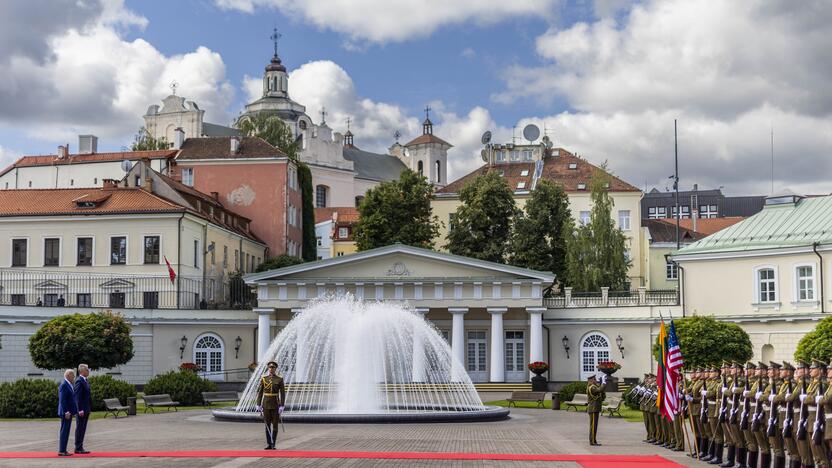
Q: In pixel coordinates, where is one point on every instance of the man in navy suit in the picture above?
(83, 401)
(66, 409)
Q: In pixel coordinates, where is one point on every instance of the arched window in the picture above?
(209, 355)
(420, 168)
(438, 172)
(320, 196)
(595, 347)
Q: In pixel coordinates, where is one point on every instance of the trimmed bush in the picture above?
(105, 386)
(817, 344)
(29, 398)
(100, 340)
(186, 387)
(569, 390)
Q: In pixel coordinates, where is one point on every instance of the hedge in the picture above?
(105, 386)
(569, 390)
(29, 398)
(183, 386)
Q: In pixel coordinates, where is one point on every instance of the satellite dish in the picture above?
(126, 165)
(547, 142)
(486, 138)
(531, 132)
(484, 155)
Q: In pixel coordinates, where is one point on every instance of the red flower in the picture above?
(538, 366)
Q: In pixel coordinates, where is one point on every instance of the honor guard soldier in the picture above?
(271, 399)
(727, 408)
(749, 388)
(818, 451)
(826, 401)
(710, 377)
(715, 395)
(798, 396)
(594, 396)
(644, 398)
(694, 396)
(788, 392)
(770, 441)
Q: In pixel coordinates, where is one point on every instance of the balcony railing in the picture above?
(20, 287)
(606, 298)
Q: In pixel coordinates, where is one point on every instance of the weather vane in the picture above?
(173, 86)
(397, 135)
(427, 112)
(275, 37)
(323, 115)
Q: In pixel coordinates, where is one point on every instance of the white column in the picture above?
(418, 363)
(264, 316)
(535, 334)
(301, 373)
(458, 338)
(498, 348)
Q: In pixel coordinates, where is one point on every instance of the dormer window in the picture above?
(524, 173)
(783, 200)
(521, 185)
(573, 166)
(581, 186)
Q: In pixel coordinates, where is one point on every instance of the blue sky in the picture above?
(606, 77)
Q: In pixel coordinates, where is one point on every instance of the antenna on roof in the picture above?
(772, 158)
(348, 123)
(323, 115)
(513, 138)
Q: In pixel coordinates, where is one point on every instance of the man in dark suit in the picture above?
(66, 410)
(83, 401)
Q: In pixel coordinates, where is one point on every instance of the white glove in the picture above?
(280, 410)
(745, 393)
(724, 389)
(704, 393)
(817, 399)
(689, 398)
(758, 395)
(771, 398)
(787, 395)
(802, 397)
(258, 408)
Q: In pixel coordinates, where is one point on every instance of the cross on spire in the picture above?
(275, 37)
(397, 135)
(348, 123)
(427, 112)
(323, 115)
(173, 85)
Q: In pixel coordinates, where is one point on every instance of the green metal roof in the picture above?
(776, 226)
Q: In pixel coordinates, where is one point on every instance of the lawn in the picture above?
(100, 414)
(627, 414)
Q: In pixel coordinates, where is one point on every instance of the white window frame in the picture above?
(499, 156)
(28, 251)
(707, 212)
(624, 222)
(60, 250)
(218, 376)
(813, 278)
(596, 353)
(343, 233)
(188, 176)
(521, 185)
(758, 290)
(161, 249)
(671, 271)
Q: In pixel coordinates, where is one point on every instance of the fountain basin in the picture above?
(480, 414)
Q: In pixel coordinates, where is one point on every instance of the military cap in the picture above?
(750, 365)
(774, 365)
(726, 364)
(801, 363)
(736, 365)
(591, 377)
(787, 365)
(762, 365)
(270, 363)
(818, 363)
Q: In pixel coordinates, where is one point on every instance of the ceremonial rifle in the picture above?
(788, 422)
(771, 430)
(723, 403)
(804, 414)
(757, 420)
(820, 419)
(746, 407)
(703, 412)
(735, 402)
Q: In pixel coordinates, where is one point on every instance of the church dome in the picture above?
(275, 65)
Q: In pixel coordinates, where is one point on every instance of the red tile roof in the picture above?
(346, 214)
(664, 230)
(53, 160)
(51, 202)
(427, 138)
(556, 168)
(220, 148)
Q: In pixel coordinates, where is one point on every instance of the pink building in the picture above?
(250, 177)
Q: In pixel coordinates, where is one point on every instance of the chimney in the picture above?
(178, 138)
(87, 144)
(110, 184)
(215, 196)
(235, 145)
(63, 151)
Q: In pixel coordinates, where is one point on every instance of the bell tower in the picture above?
(275, 79)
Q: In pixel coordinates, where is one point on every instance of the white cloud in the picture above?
(91, 80)
(727, 70)
(7, 157)
(379, 21)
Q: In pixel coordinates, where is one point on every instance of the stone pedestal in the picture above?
(539, 384)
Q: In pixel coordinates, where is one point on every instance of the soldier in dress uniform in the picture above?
(826, 401)
(767, 388)
(715, 396)
(797, 397)
(694, 396)
(788, 375)
(727, 432)
(816, 371)
(594, 396)
(748, 449)
(644, 400)
(710, 375)
(271, 398)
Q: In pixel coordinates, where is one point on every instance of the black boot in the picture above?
(729, 460)
(794, 463)
(741, 458)
(779, 462)
(751, 459)
(717, 458)
(765, 460)
(708, 450)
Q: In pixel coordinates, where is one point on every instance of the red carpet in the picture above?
(588, 461)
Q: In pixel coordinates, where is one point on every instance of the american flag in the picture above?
(672, 356)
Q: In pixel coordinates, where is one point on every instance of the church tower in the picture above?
(275, 80)
(427, 154)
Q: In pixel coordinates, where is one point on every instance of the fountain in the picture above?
(346, 360)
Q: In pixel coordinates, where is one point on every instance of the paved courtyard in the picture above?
(528, 431)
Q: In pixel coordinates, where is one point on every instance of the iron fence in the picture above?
(20, 287)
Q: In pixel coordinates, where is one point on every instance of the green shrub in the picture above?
(569, 390)
(706, 341)
(186, 387)
(100, 340)
(105, 386)
(817, 344)
(29, 398)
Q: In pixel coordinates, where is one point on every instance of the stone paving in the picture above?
(527, 431)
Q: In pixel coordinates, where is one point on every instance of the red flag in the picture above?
(171, 273)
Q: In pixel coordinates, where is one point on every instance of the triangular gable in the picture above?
(118, 284)
(49, 285)
(400, 262)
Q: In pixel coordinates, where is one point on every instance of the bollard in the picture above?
(131, 406)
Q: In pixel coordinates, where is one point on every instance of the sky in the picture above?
(606, 78)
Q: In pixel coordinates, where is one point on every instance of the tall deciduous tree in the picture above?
(596, 253)
(540, 232)
(481, 226)
(704, 341)
(274, 131)
(397, 211)
(144, 141)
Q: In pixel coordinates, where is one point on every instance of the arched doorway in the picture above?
(767, 353)
(209, 355)
(595, 347)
